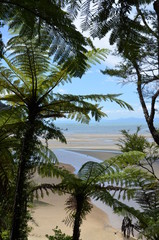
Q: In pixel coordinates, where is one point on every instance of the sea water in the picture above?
(77, 159)
(103, 127)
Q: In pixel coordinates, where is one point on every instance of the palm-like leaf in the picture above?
(99, 181)
(8, 164)
(30, 85)
(26, 56)
(99, 17)
(27, 78)
(49, 22)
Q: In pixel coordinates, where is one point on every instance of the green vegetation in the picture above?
(88, 183)
(48, 23)
(58, 235)
(132, 142)
(28, 82)
(139, 49)
(97, 181)
(142, 169)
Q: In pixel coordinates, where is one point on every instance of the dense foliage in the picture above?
(28, 88)
(132, 142)
(139, 49)
(29, 82)
(45, 18)
(147, 196)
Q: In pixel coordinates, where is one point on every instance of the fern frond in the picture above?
(25, 54)
(130, 158)
(45, 18)
(42, 189)
(90, 171)
(118, 206)
(77, 69)
(78, 108)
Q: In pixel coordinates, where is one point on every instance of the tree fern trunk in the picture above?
(76, 228)
(78, 218)
(19, 220)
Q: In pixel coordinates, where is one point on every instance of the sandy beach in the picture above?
(49, 211)
(89, 141)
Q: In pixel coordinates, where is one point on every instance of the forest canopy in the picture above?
(46, 51)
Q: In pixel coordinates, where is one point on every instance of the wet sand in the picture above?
(89, 141)
(49, 212)
(97, 153)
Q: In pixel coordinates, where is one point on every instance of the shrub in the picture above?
(58, 235)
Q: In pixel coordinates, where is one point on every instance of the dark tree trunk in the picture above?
(149, 120)
(154, 133)
(19, 219)
(78, 219)
(149, 117)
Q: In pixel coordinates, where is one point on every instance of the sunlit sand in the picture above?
(49, 212)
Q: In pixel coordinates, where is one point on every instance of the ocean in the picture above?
(76, 159)
(107, 127)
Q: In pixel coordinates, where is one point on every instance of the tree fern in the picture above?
(30, 82)
(98, 181)
(100, 17)
(31, 19)
(8, 165)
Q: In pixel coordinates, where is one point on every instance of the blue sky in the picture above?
(94, 82)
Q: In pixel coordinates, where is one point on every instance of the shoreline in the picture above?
(50, 211)
(82, 156)
(91, 141)
(102, 154)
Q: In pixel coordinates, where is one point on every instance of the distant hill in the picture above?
(128, 120)
(125, 120)
(119, 121)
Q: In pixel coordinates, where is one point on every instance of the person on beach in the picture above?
(127, 227)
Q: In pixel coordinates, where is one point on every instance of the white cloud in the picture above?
(61, 91)
(89, 72)
(123, 113)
